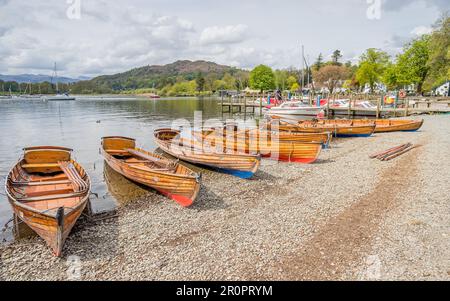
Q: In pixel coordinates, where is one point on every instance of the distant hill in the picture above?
(155, 76)
(38, 78)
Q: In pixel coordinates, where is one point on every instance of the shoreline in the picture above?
(342, 218)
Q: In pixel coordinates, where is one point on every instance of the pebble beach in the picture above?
(346, 217)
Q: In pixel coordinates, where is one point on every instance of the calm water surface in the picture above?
(80, 125)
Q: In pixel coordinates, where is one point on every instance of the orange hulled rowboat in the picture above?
(170, 178)
(48, 191)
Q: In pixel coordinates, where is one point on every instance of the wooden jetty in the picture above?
(255, 103)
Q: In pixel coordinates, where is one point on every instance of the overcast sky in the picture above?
(114, 36)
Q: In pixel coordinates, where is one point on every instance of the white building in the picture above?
(443, 90)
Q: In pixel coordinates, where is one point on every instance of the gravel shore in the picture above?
(345, 217)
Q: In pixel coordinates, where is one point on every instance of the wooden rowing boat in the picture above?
(321, 126)
(269, 147)
(170, 178)
(324, 138)
(384, 125)
(48, 191)
(234, 163)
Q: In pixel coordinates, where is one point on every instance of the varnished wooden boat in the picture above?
(258, 134)
(170, 178)
(384, 125)
(234, 163)
(272, 148)
(48, 191)
(321, 126)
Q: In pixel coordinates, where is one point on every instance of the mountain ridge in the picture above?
(39, 78)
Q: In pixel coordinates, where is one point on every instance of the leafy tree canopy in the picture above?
(262, 78)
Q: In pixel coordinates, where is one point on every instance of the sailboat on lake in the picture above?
(59, 96)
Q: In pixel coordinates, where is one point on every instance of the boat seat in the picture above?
(41, 183)
(119, 152)
(78, 183)
(45, 165)
(160, 162)
(50, 197)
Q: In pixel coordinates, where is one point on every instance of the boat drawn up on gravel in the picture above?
(189, 150)
(385, 125)
(265, 134)
(337, 129)
(269, 146)
(168, 177)
(48, 191)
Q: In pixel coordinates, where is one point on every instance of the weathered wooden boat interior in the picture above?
(47, 179)
(124, 149)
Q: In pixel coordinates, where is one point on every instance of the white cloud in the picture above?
(421, 30)
(114, 36)
(224, 35)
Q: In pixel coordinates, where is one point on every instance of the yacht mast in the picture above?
(56, 79)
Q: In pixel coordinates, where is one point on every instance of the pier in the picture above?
(255, 104)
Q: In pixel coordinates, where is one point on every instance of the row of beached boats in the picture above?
(48, 190)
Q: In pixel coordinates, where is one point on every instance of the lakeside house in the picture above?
(443, 90)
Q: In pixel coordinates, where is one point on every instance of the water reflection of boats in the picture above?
(122, 189)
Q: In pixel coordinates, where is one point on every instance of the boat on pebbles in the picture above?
(190, 150)
(321, 126)
(385, 125)
(168, 177)
(48, 191)
(269, 145)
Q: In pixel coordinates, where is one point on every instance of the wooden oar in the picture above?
(386, 151)
(400, 153)
(394, 152)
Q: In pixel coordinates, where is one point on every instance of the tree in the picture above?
(230, 81)
(219, 85)
(295, 87)
(281, 77)
(262, 78)
(291, 81)
(331, 76)
(319, 62)
(412, 64)
(200, 80)
(439, 54)
(390, 77)
(335, 57)
(242, 80)
(371, 68)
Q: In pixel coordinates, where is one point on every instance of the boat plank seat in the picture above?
(41, 183)
(40, 165)
(160, 162)
(50, 197)
(78, 184)
(117, 152)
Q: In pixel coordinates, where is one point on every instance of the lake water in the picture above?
(80, 125)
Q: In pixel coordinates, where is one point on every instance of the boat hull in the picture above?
(183, 186)
(338, 130)
(389, 125)
(43, 201)
(240, 165)
(280, 150)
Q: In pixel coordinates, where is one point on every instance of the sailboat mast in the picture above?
(56, 79)
(303, 68)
